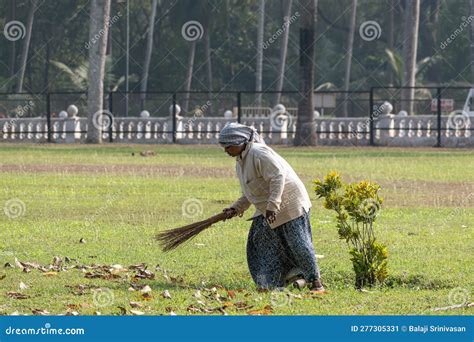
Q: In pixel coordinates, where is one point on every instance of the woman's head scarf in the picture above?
(234, 134)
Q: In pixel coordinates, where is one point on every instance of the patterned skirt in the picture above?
(273, 253)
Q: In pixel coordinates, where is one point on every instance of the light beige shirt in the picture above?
(270, 183)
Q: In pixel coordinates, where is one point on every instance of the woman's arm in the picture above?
(274, 175)
(238, 207)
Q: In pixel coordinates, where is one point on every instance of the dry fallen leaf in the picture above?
(147, 296)
(23, 286)
(8, 265)
(57, 261)
(319, 292)
(19, 264)
(227, 304)
(40, 312)
(17, 295)
(3, 276)
(166, 294)
(136, 304)
(172, 313)
(242, 306)
(267, 310)
(50, 274)
(82, 240)
(231, 294)
(146, 289)
(137, 313)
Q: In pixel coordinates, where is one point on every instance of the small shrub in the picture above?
(356, 206)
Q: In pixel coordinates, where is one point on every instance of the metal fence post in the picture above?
(48, 115)
(239, 107)
(438, 110)
(174, 119)
(371, 116)
(111, 102)
(110, 128)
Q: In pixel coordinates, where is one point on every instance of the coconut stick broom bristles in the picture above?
(172, 238)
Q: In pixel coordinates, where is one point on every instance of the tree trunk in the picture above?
(261, 24)
(13, 44)
(207, 48)
(148, 52)
(472, 41)
(283, 51)
(350, 45)
(189, 75)
(26, 46)
(99, 17)
(47, 36)
(391, 38)
(410, 44)
(305, 125)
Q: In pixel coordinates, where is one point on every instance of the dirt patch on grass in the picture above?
(417, 193)
(126, 169)
(404, 193)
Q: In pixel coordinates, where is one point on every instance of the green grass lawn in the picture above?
(117, 202)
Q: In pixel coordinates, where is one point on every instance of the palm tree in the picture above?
(395, 63)
(350, 45)
(410, 44)
(149, 50)
(261, 24)
(305, 128)
(283, 50)
(79, 76)
(99, 16)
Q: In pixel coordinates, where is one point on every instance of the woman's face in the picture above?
(234, 150)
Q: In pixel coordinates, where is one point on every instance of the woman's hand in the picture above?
(230, 212)
(270, 216)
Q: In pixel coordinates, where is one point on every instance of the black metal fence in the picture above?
(437, 101)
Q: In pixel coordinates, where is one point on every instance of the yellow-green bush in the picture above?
(357, 205)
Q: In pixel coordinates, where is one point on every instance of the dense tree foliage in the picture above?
(60, 34)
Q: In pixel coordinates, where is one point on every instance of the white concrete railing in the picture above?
(389, 131)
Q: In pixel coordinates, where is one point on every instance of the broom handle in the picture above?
(217, 218)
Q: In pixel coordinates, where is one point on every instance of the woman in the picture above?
(279, 246)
